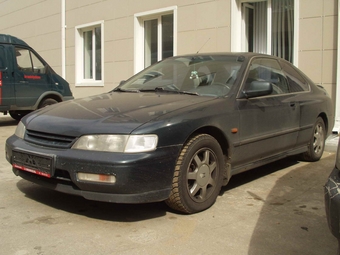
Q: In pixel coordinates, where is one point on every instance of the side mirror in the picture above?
(121, 82)
(258, 88)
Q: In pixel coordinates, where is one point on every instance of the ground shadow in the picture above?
(259, 172)
(292, 219)
(129, 212)
(7, 121)
(92, 209)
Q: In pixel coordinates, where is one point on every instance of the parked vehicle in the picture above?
(332, 199)
(27, 82)
(177, 131)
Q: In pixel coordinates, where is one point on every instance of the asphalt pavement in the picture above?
(274, 209)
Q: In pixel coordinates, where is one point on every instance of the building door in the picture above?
(254, 28)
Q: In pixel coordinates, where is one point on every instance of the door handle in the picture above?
(292, 105)
(23, 81)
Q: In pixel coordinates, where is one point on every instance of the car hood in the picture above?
(116, 112)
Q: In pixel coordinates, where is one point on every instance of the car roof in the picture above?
(11, 40)
(244, 55)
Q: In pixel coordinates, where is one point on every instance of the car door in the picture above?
(6, 79)
(31, 78)
(268, 124)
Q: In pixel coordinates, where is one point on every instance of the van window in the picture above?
(2, 58)
(27, 61)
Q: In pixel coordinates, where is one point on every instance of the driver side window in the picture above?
(28, 62)
(269, 70)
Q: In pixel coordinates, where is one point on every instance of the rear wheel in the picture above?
(198, 175)
(317, 142)
(46, 102)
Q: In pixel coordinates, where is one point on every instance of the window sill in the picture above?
(90, 84)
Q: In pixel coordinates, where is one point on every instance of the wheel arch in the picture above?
(223, 142)
(325, 121)
(54, 96)
(217, 134)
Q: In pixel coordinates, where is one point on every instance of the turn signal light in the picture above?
(102, 178)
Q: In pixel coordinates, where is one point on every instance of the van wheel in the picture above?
(198, 175)
(17, 115)
(46, 102)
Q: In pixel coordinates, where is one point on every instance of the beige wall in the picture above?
(318, 41)
(198, 20)
(202, 25)
(38, 23)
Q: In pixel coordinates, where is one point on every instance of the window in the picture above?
(269, 70)
(155, 34)
(89, 54)
(164, 25)
(296, 82)
(268, 26)
(27, 61)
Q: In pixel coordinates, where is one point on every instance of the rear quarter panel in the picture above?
(312, 105)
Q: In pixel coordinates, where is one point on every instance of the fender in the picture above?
(48, 94)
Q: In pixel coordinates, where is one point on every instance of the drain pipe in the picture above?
(63, 39)
(336, 128)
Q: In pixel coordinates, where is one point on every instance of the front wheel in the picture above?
(17, 115)
(317, 142)
(198, 175)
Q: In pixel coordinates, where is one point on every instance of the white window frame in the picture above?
(139, 19)
(79, 61)
(237, 24)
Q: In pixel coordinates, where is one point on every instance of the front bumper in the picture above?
(140, 177)
(332, 202)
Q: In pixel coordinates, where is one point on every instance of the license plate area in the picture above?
(34, 163)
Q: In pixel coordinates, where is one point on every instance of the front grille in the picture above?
(49, 140)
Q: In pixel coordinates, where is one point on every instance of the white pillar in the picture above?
(63, 39)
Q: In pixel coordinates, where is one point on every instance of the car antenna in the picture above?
(203, 45)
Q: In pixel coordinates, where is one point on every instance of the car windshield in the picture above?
(198, 75)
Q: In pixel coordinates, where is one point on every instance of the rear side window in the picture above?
(2, 58)
(27, 61)
(296, 82)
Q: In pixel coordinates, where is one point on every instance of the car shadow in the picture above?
(129, 212)
(259, 172)
(92, 209)
(292, 219)
(7, 121)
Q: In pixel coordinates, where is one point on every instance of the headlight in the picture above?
(20, 130)
(117, 143)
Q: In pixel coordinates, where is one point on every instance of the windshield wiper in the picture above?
(188, 93)
(165, 89)
(125, 90)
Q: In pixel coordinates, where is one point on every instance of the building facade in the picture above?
(95, 44)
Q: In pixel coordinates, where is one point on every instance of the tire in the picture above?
(198, 175)
(317, 142)
(18, 115)
(46, 102)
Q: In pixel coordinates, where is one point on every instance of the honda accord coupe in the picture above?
(175, 132)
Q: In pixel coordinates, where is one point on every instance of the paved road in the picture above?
(276, 209)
